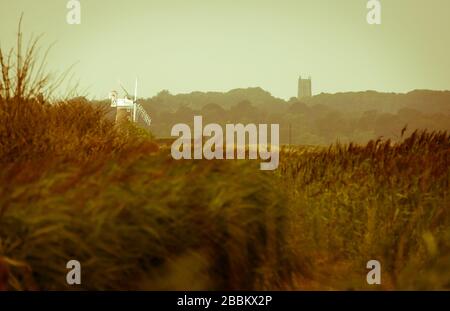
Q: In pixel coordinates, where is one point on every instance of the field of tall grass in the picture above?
(383, 201)
(75, 186)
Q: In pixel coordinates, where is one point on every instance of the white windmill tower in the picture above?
(127, 109)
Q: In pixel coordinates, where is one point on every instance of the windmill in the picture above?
(127, 109)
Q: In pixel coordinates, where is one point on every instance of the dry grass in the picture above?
(23, 72)
(379, 201)
(74, 186)
(126, 219)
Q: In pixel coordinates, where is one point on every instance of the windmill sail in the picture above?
(123, 88)
(135, 91)
(143, 114)
(134, 102)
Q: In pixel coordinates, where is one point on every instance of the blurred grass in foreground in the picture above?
(107, 197)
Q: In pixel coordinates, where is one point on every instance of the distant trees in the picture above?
(322, 119)
(214, 112)
(243, 111)
(298, 108)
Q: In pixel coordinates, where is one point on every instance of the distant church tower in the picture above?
(304, 88)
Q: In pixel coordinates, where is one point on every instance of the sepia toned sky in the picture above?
(218, 45)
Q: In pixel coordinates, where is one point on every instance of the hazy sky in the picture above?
(214, 45)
